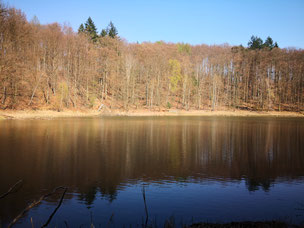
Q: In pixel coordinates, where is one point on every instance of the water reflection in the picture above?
(94, 156)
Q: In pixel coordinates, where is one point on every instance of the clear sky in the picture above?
(189, 21)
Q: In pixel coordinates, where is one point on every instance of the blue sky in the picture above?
(190, 21)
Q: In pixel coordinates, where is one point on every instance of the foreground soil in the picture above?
(49, 114)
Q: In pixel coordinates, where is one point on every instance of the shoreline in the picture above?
(45, 114)
(49, 114)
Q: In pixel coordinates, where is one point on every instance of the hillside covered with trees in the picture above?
(52, 67)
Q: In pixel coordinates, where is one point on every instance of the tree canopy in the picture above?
(256, 42)
(90, 29)
(81, 28)
(112, 31)
(51, 66)
(103, 33)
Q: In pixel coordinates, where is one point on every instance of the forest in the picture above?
(53, 67)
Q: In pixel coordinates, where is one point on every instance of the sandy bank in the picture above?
(205, 113)
(47, 114)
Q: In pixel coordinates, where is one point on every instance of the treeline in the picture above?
(90, 29)
(50, 66)
(257, 43)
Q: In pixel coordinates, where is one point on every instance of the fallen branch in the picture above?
(35, 203)
(11, 189)
(146, 209)
(110, 220)
(59, 204)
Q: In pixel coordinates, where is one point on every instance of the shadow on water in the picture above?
(106, 160)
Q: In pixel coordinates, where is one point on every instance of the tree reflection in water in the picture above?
(105, 155)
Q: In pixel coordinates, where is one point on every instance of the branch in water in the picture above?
(35, 203)
(59, 204)
(11, 189)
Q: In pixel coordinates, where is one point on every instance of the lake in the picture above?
(192, 169)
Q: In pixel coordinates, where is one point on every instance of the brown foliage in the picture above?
(51, 66)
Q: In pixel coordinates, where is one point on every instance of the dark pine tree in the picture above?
(103, 33)
(268, 43)
(276, 45)
(81, 28)
(91, 29)
(111, 30)
(255, 43)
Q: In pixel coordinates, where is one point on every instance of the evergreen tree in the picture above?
(269, 43)
(111, 30)
(276, 45)
(81, 28)
(91, 29)
(103, 33)
(255, 43)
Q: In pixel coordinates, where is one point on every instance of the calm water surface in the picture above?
(193, 169)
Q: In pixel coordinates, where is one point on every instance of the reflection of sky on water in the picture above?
(211, 169)
(188, 202)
